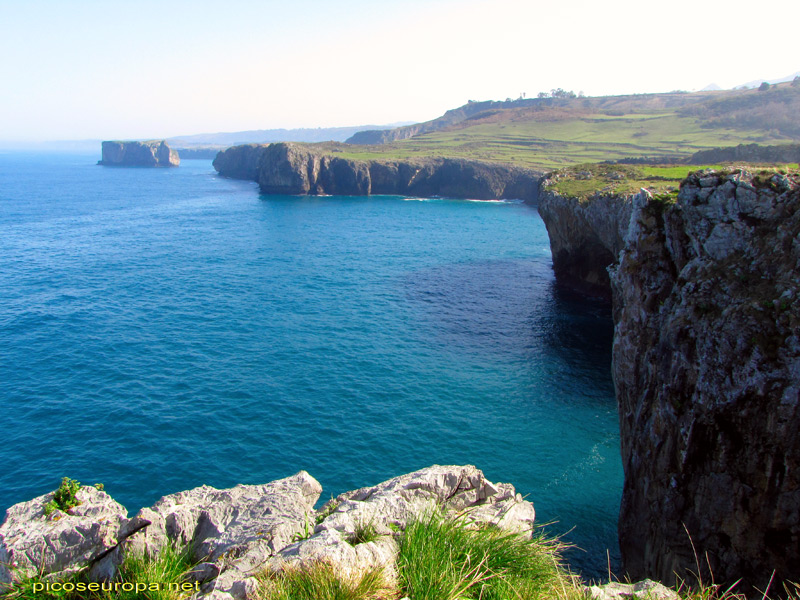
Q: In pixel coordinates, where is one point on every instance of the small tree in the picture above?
(763, 87)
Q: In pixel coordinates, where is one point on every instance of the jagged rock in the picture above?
(31, 542)
(240, 532)
(642, 590)
(388, 507)
(706, 363)
(286, 168)
(155, 153)
(232, 531)
(231, 523)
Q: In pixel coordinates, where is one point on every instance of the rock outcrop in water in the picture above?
(155, 153)
(242, 531)
(706, 365)
(286, 168)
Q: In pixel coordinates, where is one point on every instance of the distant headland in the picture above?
(153, 153)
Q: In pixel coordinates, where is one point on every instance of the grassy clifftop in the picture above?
(550, 133)
(582, 181)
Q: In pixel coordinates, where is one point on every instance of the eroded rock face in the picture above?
(586, 237)
(286, 168)
(32, 542)
(706, 365)
(154, 153)
(388, 507)
(240, 162)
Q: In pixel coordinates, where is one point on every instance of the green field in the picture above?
(669, 127)
(553, 144)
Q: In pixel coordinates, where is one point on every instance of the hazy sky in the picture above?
(138, 69)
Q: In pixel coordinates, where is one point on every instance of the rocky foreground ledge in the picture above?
(238, 532)
(298, 169)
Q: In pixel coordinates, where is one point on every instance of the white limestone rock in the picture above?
(641, 590)
(32, 542)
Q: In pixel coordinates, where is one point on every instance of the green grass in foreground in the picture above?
(321, 582)
(439, 559)
(442, 559)
(150, 580)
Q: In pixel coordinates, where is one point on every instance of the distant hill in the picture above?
(451, 117)
(551, 132)
(757, 82)
(770, 110)
(266, 136)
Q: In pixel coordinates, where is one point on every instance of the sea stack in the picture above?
(153, 153)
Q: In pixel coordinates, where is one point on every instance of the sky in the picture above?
(117, 69)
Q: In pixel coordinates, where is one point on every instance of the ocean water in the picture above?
(166, 328)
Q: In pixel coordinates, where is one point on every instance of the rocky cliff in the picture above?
(286, 168)
(707, 372)
(706, 364)
(155, 153)
(240, 162)
(586, 237)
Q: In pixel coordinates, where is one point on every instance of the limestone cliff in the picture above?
(240, 162)
(586, 237)
(286, 168)
(155, 153)
(706, 365)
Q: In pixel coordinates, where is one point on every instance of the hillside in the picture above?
(555, 132)
(265, 136)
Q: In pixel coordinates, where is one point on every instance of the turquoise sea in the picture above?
(166, 328)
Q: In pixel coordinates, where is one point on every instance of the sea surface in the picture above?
(161, 329)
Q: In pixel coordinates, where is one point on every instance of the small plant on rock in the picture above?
(363, 533)
(64, 497)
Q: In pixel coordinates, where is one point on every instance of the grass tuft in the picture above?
(443, 559)
(320, 581)
(150, 579)
(364, 532)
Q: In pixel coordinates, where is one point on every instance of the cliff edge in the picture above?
(298, 169)
(154, 153)
(706, 365)
(586, 237)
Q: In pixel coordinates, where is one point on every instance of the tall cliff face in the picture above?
(240, 162)
(155, 153)
(706, 364)
(586, 237)
(286, 168)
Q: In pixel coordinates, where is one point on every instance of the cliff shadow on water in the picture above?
(546, 352)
